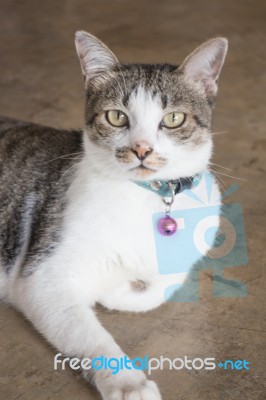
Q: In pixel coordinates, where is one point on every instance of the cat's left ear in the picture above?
(203, 66)
(95, 57)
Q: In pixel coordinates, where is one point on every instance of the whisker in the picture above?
(221, 183)
(68, 170)
(67, 156)
(218, 165)
(220, 133)
(229, 176)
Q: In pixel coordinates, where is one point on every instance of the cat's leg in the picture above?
(71, 326)
(138, 296)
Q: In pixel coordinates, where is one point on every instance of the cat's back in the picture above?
(24, 142)
(33, 157)
(35, 163)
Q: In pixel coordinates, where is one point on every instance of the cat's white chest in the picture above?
(109, 234)
(111, 225)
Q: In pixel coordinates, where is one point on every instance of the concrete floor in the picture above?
(40, 81)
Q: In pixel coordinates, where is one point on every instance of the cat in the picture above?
(75, 215)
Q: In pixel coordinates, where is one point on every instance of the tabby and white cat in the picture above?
(76, 232)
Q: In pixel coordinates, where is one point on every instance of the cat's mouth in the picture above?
(142, 167)
(142, 171)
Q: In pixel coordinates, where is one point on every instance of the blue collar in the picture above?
(163, 189)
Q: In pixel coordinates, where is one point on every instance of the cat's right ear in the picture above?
(95, 57)
(203, 66)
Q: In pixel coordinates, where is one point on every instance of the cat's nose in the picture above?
(142, 149)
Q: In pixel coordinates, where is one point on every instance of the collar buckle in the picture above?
(166, 188)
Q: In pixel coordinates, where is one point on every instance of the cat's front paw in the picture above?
(146, 391)
(126, 385)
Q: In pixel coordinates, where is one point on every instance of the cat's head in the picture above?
(146, 121)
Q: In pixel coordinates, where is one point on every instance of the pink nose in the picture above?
(142, 149)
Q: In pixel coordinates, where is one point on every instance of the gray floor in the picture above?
(40, 81)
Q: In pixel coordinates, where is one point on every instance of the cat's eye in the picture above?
(173, 120)
(117, 118)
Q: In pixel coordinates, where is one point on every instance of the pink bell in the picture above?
(167, 226)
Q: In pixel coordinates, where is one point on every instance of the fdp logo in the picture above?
(212, 228)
